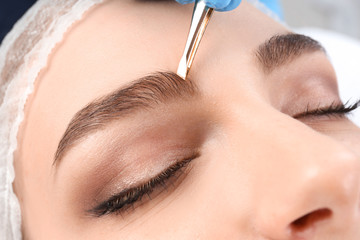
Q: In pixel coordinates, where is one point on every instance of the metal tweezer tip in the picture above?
(200, 19)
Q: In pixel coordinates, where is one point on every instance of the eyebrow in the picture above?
(142, 93)
(282, 49)
(160, 87)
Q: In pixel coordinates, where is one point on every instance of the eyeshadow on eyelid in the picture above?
(139, 157)
(306, 81)
(315, 93)
(145, 185)
(126, 197)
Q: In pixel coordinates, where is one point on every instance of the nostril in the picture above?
(308, 221)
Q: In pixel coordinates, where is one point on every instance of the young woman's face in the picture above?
(253, 147)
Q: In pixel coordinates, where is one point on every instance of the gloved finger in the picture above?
(217, 4)
(185, 1)
(233, 4)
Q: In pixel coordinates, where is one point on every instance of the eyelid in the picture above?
(130, 196)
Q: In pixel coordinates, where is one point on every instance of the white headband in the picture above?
(23, 54)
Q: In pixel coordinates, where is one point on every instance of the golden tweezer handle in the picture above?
(200, 19)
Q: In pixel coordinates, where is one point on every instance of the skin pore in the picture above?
(229, 155)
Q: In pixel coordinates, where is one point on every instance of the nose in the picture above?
(315, 195)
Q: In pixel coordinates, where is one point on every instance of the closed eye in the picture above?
(334, 110)
(128, 197)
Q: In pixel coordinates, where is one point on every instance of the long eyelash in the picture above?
(130, 196)
(337, 109)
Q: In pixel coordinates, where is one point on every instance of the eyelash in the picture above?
(128, 197)
(334, 110)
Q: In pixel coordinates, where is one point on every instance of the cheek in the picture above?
(342, 130)
(351, 138)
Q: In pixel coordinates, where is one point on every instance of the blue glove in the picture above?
(218, 5)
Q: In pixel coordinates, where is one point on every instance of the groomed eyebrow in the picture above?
(282, 49)
(162, 86)
(143, 93)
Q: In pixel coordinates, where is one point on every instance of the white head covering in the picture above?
(23, 54)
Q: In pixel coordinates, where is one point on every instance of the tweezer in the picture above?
(200, 19)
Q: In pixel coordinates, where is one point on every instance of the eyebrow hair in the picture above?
(282, 49)
(141, 94)
(162, 86)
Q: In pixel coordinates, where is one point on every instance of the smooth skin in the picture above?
(259, 170)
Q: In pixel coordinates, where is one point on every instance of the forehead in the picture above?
(120, 41)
